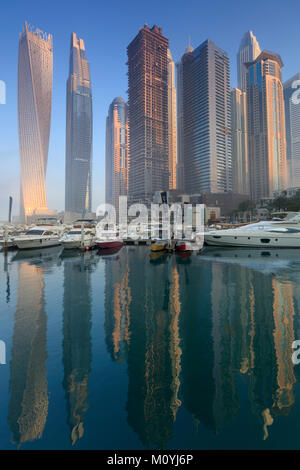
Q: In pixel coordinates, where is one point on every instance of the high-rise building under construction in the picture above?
(148, 114)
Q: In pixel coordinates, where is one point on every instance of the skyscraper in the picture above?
(240, 167)
(148, 114)
(266, 126)
(79, 132)
(292, 123)
(248, 51)
(172, 123)
(179, 92)
(204, 125)
(117, 152)
(35, 71)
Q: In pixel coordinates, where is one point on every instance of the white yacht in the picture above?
(273, 234)
(40, 236)
(77, 238)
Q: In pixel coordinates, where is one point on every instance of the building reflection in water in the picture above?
(189, 328)
(77, 346)
(117, 305)
(258, 306)
(142, 321)
(28, 406)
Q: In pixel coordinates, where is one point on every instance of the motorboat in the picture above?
(39, 236)
(78, 238)
(159, 245)
(108, 239)
(272, 234)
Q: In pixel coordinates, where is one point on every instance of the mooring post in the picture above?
(5, 241)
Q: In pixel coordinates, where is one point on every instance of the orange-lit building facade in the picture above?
(35, 74)
(266, 126)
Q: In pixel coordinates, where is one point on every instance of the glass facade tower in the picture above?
(204, 120)
(240, 165)
(79, 132)
(117, 152)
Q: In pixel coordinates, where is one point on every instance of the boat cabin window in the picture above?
(75, 232)
(48, 233)
(35, 232)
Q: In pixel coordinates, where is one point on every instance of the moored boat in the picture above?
(272, 234)
(158, 245)
(184, 245)
(78, 238)
(108, 239)
(40, 236)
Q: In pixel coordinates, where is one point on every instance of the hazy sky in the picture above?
(107, 27)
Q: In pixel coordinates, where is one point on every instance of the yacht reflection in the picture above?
(266, 261)
(28, 406)
(146, 333)
(77, 346)
(37, 256)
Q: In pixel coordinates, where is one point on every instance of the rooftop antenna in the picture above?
(189, 48)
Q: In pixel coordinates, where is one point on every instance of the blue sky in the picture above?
(107, 27)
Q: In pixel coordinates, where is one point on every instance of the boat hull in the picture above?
(76, 244)
(28, 244)
(106, 245)
(158, 247)
(183, 247)
(270, 240)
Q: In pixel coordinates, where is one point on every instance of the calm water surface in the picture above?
(130, 352)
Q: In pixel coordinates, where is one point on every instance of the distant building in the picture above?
(172, 123)
(79, 132)
(240, 167)
(35, 74)
(292, 124)
(248, 51)
(117, 152)
(266, 126)
(148, 114)
(204, 114)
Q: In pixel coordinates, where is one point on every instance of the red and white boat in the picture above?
(106, 240)
(184, 245)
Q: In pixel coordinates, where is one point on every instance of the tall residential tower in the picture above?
(148, 114)
(204, 124)
(117, 152)
(266, 126)
(35, 72)
(172, 123)
(240, 165)
(79, 132)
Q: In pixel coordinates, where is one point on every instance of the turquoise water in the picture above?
(125, 351)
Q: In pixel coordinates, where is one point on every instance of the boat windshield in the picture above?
(35, 232)
(74, 232)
